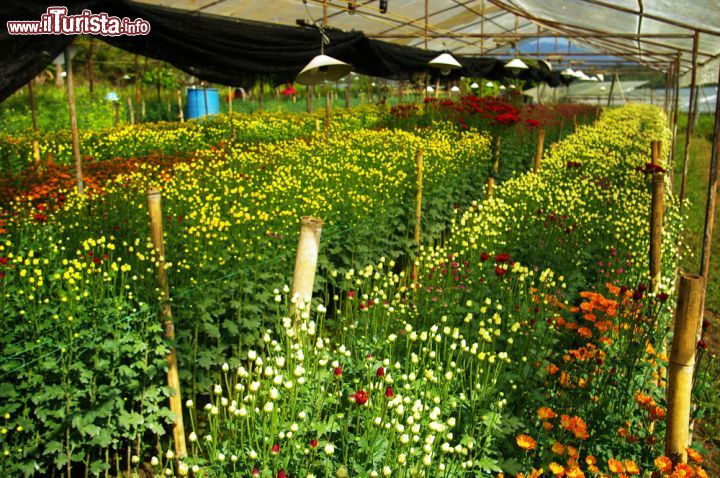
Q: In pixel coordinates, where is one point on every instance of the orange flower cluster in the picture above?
(526, 442)
(575, 425)
(647, 403)
(682, 470)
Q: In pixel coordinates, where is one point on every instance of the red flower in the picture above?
(361, 397)
(281, 474)
(484, 256)
(313, 443)
(276, 448)
(389, 392)
(351, 294)
(500, 258)
(662, 297)
(338, 371)
(380, 372)
(40, 217)
(3, 261)
(500, 271)
(532, 122)
(255, 472)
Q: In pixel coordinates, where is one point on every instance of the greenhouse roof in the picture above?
(652, 33)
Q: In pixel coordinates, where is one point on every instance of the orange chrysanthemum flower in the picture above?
(700, 472)
(526, 442)
(574, 473)
(558, 448)
(683, 470)
(694, 455)
(546, 413)
(663, 464)
(556, 469)
(616, 466)
(631, 468)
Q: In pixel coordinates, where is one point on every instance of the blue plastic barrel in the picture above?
(196, 106)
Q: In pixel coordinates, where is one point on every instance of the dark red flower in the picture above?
(351, 294)
(276, 448)
(662, 297)
(380, 372)
(40, 217)
(3, 261)
(361, 397)
(502, 257)
(702, 345)
(637, 295)
(338, 371)
(255, 472)
(313, 443)
(281, 474)
(389, 392)
(500, 271)
(484, 256)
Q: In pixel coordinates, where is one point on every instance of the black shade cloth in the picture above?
(225, 50)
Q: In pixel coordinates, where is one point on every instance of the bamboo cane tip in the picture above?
(312, 222)
(688, 276)
(153, 192)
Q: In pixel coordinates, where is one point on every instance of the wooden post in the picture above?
(419, 157)
(657, 210)
(262, 96)
(116, 104)
(173, 379)
(490, 187)
(310, 96)
(540, 146)
(610, 94)
(131, 110)
(230, 99)
(306, 261)
(691, 114)
(205, 97)
(676, 106)
(682, 364)
(33, 112)
(73, 123)
(347, 91)
(181, 113)
(496, 161)
(91, 65)
(711, 194)
(328, 107)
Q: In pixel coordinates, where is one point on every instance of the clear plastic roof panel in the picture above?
(454, 24)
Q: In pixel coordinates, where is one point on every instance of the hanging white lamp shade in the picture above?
(445, 62)
(600, 77)
(567, 72)
(429, 89)
(489, 84)
(455, 89)
(502, 87)
(516, 64)
(547, 64)
(322, 68)
(474, 86)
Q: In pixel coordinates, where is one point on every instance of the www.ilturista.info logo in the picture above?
(56, 21)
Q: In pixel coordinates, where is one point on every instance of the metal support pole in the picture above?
(691, 113)
(676, 107)
(33, 112)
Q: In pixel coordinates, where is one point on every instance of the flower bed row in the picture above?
(490, 363)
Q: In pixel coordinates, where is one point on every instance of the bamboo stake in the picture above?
(490, 187)
(309, 97)
(348, 88)
(73, 122)
(496, 162)
(682, 364)
(711, 194)
(173, 379)
(657, 210)
(230, 99)
(306, 262)
(539, 152)
(33, 112)
(419, 161)
(328, 108)
(181, 114)
(130, 109)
